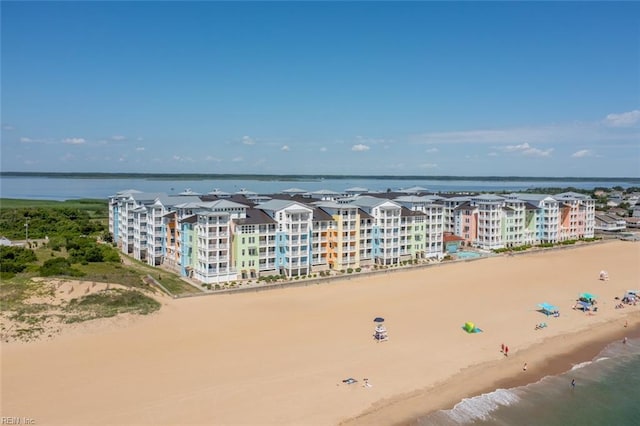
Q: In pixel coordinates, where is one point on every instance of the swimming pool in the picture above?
(467, 254)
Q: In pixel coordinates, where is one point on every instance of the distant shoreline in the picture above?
(296, 177)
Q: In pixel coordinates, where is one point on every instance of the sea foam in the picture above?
(479, 407)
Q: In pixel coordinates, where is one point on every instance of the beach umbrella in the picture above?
(378, 319)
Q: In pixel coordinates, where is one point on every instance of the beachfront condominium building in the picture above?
(489, 221)
(294, 223)
(385, 233)
(429, 226)
(577, 216)
(221, 237)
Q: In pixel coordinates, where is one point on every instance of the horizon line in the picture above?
(310, 176)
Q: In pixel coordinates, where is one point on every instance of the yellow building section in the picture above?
(347, 242)
(330, 246)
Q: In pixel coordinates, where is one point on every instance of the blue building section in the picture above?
(375, 239)
(281, 250)
(185, 248)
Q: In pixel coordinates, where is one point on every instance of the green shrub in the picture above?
(15, 259)
(59, 266)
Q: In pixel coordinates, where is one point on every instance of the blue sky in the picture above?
(415, 88)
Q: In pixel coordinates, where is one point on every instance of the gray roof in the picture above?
(321, 215)
(459, 199)
(294, 191)
(145, 197)
(531, 197)
(172, 200)
(369, 202)
(223, 204)
(325, 192)
(277, 204)
(255, 217)
(411, 199)
(413, 190)
(488, 197)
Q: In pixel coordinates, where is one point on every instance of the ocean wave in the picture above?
(580, 365)
(479, 407)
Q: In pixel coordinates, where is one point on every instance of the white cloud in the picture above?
(432, 150)
(360, 147)
(582, 153)
(140, 148)
(25, 140)
(428, 166)
(625, 119)
(248, 141)
(513, 148)
(118, 138)
(139, 139)
(323, 149)
(211, 158)
(583, 132)
(492, 154)
(535, 152)
(8, 127)
(237, 159)
(285, 148)
(526, 149)
(75, 141)
(182, 159)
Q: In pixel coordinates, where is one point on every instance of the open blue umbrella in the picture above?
(378, 319)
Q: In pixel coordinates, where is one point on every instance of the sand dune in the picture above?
(278, 357)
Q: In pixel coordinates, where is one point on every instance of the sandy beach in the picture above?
(279, 357)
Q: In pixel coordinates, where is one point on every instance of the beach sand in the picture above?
(279, 357)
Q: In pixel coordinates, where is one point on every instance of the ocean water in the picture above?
(607, 393)
(48, 188)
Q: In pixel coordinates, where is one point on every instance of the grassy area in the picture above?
(170, 281)
(14, 293)
(81, 204)
(29, 318)
(130, 274)
(109, 303)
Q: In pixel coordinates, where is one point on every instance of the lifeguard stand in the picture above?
(380, 333)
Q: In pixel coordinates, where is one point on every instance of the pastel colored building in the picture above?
(221, 237)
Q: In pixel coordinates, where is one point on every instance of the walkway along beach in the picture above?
(279, 357)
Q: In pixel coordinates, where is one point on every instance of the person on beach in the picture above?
(524, 367)
(502, 347)
(624, 341)
(573, 383)
(626, 324)
(506, 351)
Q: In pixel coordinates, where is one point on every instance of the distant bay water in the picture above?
(69, 187)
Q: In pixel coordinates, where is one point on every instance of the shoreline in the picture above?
(406, 409)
